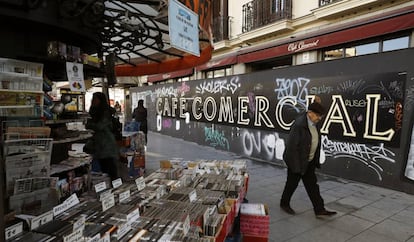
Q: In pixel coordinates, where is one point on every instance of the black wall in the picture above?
(367, 130)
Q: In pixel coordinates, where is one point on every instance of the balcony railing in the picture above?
(258, 13)
(326, 2)
(221, 28)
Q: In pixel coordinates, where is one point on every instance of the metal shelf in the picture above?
(73, 139)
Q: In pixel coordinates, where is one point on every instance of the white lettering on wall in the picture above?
(338, 114)
(371, 123)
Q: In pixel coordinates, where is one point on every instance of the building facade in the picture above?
(272, 58)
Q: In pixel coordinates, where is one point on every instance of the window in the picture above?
(333, 54)
(375, 46)
(396, 44)
(363, 49)
(227, 71)
(183, 79)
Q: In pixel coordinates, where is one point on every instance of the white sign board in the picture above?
(183, 27)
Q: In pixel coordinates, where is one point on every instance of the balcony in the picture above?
(331, 9)
(258, 13)
(220, 28)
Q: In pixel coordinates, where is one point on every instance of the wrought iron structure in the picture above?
(135, 30)
(258, 13)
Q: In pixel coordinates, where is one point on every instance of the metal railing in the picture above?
(258, 13)
(221, 28)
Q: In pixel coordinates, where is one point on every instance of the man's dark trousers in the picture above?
(309, 181)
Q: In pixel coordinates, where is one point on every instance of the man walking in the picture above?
(302, 157)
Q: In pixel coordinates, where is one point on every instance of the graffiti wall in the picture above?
(366, 130)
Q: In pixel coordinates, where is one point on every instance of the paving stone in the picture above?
(394, 229)
(373, 214)
(350, 224)
(354, 201)
(405, 217)
(322, 233)
(368, 236)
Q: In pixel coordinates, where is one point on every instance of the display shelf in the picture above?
(70, 164)
(73, 139)
(64, 121)
(17, 106)
(26, 91)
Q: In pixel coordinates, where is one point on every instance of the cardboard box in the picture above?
(165, 164)
(255, 225)
(220, 235)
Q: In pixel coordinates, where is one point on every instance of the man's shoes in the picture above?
(287, 209)
(324, 214)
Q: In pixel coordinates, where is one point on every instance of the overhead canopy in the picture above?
(137, 32)
(134, 34)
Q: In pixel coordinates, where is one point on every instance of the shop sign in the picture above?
(302, 45)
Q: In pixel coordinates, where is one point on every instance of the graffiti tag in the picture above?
(368, 155)
(216, 138)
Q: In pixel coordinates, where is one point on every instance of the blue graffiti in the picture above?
(216, 138)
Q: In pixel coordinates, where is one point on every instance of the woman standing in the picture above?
(105, 146)
(140, 115)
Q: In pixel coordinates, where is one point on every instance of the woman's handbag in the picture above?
(89, 147)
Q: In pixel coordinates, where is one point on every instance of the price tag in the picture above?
(108, 202)
(140, 183)
(79, 224)
(76, 236)
(59, 209)
(117, 183)
(123, 230)
(230, 176)
(72, 200)
(100, 187)
(133, 216)
(68, 203)
(201, 172)
(105, 194)
(95, 238)
(13, 230)
(216, 170)
(36, 222)
(124, 196)
(193, 195)
(186, 225)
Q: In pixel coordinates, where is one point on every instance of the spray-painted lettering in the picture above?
(216, 138)
(366, 154)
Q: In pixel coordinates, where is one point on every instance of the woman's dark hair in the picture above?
(140, 103)
(97, 111)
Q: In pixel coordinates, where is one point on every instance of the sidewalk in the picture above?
(365, 212)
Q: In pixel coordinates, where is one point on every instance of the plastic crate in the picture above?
(255, 225)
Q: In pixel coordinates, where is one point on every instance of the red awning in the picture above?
(218, 62)
(160, 77)
(380, 27)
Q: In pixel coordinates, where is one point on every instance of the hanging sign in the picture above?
(183, 27)
(75, 76)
